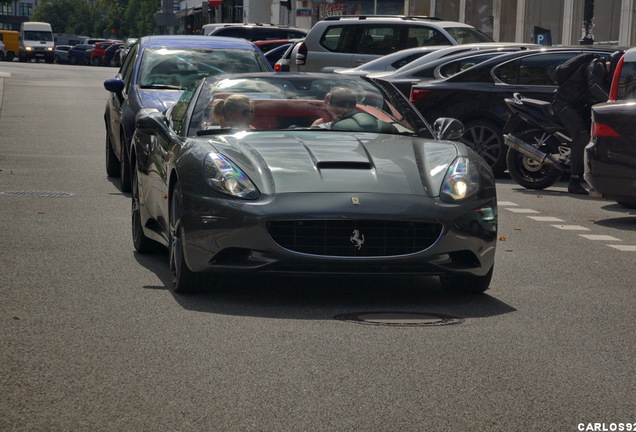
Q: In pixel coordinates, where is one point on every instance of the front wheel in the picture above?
(72, 60)
(467, 284)
(184, 280)
(527, 172)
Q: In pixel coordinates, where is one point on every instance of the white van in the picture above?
(36, 41)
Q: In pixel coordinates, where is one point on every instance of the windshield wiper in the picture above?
(214, 131)
(162, 86)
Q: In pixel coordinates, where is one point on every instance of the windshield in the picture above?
(181, 67)
(301, 102)
(38, 35)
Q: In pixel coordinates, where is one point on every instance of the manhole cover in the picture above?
(37, 193)
(399, 319)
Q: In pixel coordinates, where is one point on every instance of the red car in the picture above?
(97, 55)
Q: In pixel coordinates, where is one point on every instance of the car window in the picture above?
(455, 66)
(128, 66)
(180, 109)
(340, 39)
(532, 70)
(627, 82)
(466, 35)
(406, 60)
(238, 32)
(423, 36)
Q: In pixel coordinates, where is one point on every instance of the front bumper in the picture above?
(233, 236)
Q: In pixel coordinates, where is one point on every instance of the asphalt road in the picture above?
(91, 338)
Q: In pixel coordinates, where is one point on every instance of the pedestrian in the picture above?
(582, 81)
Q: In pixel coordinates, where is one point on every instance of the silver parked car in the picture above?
(349, 41)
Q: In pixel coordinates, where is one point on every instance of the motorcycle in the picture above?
(540, 146)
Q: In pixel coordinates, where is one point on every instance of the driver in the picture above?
(339, 102)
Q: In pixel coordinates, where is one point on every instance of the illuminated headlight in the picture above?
(225, 177)
(49, 48)
(28, 48)
(461, 180)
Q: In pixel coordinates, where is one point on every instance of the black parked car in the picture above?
(111, 55)
(443, 67)
(76, 55)
(476, 95)
(610, 157)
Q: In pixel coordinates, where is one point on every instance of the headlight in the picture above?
(28, 48)
(225, 177)
(461, 180)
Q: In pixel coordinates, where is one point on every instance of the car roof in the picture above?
(630, 54)
(449, 50)
(191, 41)
(408, 71)
(513, 55)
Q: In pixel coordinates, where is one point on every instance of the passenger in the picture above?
(235, 111)
(342, 106)
(340, 102)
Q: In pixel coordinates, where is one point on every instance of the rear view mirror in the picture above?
(446, 128)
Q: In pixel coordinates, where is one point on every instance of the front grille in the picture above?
(354, 237)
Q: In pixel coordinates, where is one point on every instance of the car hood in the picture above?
(287, 162)
(159, 99)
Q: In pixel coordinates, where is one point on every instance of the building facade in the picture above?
(503, 20)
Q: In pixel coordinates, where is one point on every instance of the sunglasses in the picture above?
(344, 103)
(247, 112)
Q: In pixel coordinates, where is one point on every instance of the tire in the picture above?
(183, 279)
(72, 60)
(142, 243)
(95, 61)
(124, 170)
(1, 56)
(56, 59)
(485, 137)
(467, 284)
(527, 172)
(113, 169)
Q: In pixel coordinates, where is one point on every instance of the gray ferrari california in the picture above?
(309, 174)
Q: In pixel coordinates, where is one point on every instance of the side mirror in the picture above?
(150, 121)
(114, 85)
(446, 128)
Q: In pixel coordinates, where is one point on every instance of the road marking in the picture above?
(546, 218)
(571, 227)
(598, 237)
(521, 210)
(625, 248)
(592, 237)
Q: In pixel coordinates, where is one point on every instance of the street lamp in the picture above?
(588, 16)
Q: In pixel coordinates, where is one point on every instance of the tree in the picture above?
(100, 18)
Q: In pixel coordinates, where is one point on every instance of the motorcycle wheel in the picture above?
(528, 172)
